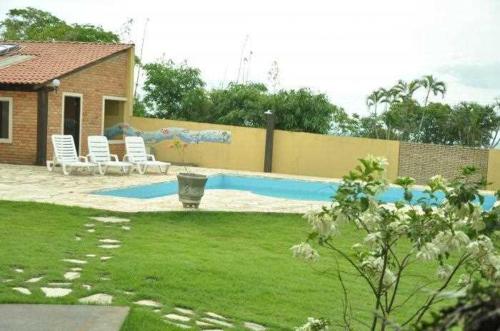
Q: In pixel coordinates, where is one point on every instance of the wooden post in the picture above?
(268, 156)
(42, 124)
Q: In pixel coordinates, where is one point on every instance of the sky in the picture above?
(345, 49)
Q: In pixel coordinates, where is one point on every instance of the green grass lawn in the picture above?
(237, 265)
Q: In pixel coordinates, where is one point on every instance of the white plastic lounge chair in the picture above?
(65, 155)
(100, 155)
(136, 154)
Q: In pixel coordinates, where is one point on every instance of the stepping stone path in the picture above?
(71, 275)
(87, 287)
(126, 228)
(19, 271)
(97, 299)
(90, 255)
(214, 315)
(91, 230)
(184, 311)
(109, 246)
(175, 317)
(218, 322)
(148, 303)
(109, 241)
(59, 284)
(76, 269)
(89, 225)
(200, 323)
(74, 261)
(105, 258)
(254, 326)
(110, 219)
(55, 292)
(182, 326)
(78, 238)
(34, 279)
(22, 290)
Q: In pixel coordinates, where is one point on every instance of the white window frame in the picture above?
(77, 95)
(10, 100)
(110, 97)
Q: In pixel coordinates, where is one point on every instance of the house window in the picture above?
(5, 120)
(114, 115)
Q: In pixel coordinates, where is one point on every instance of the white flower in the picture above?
(428, 252)
(448, 241)
(357, 247)
(389, 207)
(305, 251)
(321, 223)
(444, 271)
(313, 324)
(373, 264)
(389, 278)
(373, 238)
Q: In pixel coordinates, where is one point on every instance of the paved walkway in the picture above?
(61, 318)
(30, 183)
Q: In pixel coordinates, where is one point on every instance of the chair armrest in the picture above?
(83, 158)
(128, 158)
(114, 156)
(150, 157)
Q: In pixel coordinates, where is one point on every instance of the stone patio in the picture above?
(32, 183)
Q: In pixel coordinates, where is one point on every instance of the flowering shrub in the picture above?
(455, 233)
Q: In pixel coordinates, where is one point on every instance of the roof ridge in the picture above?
(64, 42)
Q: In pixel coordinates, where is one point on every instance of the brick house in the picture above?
(61, 87)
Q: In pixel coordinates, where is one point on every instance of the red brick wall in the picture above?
(106, 78)
(22, 150)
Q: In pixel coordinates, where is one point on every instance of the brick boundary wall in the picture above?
(422, 161)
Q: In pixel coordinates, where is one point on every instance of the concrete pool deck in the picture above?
(26, 317)
(32, 183)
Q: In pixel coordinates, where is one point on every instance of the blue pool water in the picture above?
(274, 187)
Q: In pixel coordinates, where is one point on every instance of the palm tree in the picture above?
(373, 100)
(406, 90)
(432, 85)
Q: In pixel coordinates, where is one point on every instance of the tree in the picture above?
(304, 110)
(406, 90)
(431, 84)
(474, 125)
(175, 91)
(34, 24)
(239, 104)
(373, 100)
(434, 86)
(453, 233)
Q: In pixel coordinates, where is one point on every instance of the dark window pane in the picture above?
(4, 119)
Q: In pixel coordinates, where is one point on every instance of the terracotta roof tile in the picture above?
(51, 60)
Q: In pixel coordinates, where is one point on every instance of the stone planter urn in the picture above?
(191, 189)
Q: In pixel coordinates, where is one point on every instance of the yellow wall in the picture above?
(245, 152)
(494, 169)
(328, 156)
(294, 152)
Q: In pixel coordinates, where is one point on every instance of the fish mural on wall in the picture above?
(170, 133)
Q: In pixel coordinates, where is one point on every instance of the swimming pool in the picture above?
(269, 186)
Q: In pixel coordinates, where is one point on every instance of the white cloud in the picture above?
(343, 48)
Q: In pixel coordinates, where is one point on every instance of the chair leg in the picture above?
(65, 170)
(50, 165)
(100, 168)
